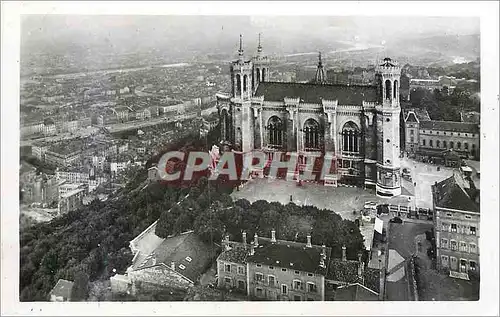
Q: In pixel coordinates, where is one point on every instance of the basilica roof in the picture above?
(313, 93)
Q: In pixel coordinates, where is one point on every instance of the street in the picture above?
(401, 246)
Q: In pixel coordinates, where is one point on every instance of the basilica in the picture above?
(357, 125)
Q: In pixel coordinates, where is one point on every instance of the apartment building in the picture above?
(271, 269)
(71, 200)
(457, 224)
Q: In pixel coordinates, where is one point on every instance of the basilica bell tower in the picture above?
(388, 150)
(260, 67)
(242, 91)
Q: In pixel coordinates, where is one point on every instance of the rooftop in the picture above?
(235, 255)
(355, 292)
(450, 126)
(63, 289)
(288, 254)
(343, 271)
(72, 192)
(187, 251)
(414, 115)
(455, 193)
(67, 147)
(314, 93)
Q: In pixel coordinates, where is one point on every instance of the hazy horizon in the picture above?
(148, 30)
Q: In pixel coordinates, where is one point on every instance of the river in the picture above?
(108, 71)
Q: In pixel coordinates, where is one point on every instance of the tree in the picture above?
(80, 289)
(208, 225)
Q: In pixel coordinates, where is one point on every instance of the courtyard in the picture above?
(342, 200)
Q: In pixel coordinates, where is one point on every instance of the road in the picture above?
(401, 247)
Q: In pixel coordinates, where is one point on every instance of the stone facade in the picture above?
(457, 224)
(430, 137)
(279, 283)
(248, 269)
(458, 244)
(358, 125)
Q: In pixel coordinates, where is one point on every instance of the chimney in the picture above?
(344, 256)
(172, 266)
(226, 242)
(244, 238)
(273, 235)
(360, 266)
(252, 249)
(256, 240)
(309, 245)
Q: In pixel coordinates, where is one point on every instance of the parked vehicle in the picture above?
(396, 220)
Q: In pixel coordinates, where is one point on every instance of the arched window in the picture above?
(245, 77)
(451, 144)
(388, 89)
(225, 125)
(438, 143)
(253, 82)
(380, 88)
(275, 132)
(395, 89)
(350, 137)
(238, 84)
(311, 135)
(258, 75)
(459, 145)
(444, 144)
(263, 74)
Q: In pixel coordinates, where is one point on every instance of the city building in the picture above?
(62, 291)
(357, 125)
(428, 84)
(27, 173)
(412, 119)
(38, 150)
(71, 200)
(43, 189)
(49, 127)
(65, 153)
(436, 137)
(176, 263)
(457, 224)
(119, 163)
(83, 175)
(30, 129)
(68, 187)
(273, 269)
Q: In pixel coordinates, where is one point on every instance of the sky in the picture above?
(222, 32)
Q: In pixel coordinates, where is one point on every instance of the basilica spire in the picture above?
(320, 72)
(240, 51)
(259, 47)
